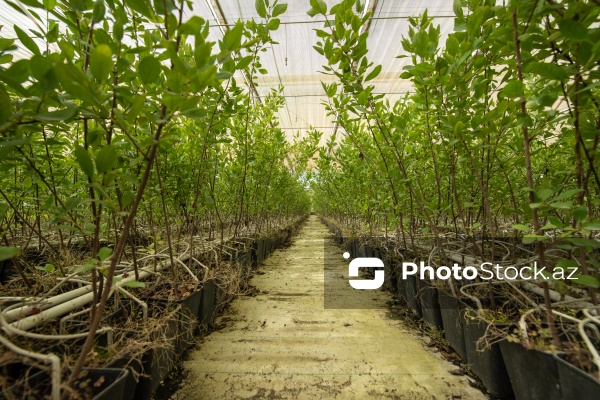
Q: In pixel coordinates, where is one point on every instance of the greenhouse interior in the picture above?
(318, 199)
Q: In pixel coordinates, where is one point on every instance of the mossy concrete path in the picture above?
(283, 343)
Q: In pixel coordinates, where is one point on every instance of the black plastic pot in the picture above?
(430, 307)
(135, 367)
(533, 373)
(245, 273)
(207, 303)
(157, 363)
(391, 280)
(262, 251)
(94, 383)
(452, 319)
(401, 283)
(189, 313)
(271, 245)
(362, 250)
(245, 258)
(575, 383)
(181, 331)
(222, 298)
(410, 285)
(488, 364)
(258, 252)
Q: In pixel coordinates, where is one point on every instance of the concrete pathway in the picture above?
(283, 343)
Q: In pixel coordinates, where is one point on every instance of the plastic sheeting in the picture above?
(293, 63)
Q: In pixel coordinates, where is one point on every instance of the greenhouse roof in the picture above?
(293, 63)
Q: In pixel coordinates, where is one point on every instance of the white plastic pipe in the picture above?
(75, 303)
(51, 359)
(48, 303)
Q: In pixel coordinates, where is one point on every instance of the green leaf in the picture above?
(149, 69)
(106, 159)
(136, 107)
(592, 226)
(565, 263)
(224, 75)
(76, 83)
(547, 70)
(373, 73)
(555, 221)
(562, 205)
(59, 115)
(513, 89)
(134, 284)
(98, 12)
(49, 4)
(72, 203)
(528, 239)
(8, 252)
(104, 253)
(586, 280)
(573, 30)
(233, 37)
(580, 213)
(279, 9)
(520, 227)
(544, 193)
(192, 26)
(594, 244)
(202, 54)
(244, 62)
(273, 24)
(141, 6)
(261, 8)
(26, 41)
(84, 268)
(84, 160)
(5, 106)
(457, 8)
(566, 194)
(46, 268)
(319, 6)
(3, 210)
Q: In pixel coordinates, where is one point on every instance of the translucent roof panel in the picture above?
(293, 63)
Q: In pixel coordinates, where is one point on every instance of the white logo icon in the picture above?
(365, 262)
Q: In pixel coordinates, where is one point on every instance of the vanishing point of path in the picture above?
(283, 343)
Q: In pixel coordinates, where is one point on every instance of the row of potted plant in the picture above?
(497, 328)
(149, 330)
